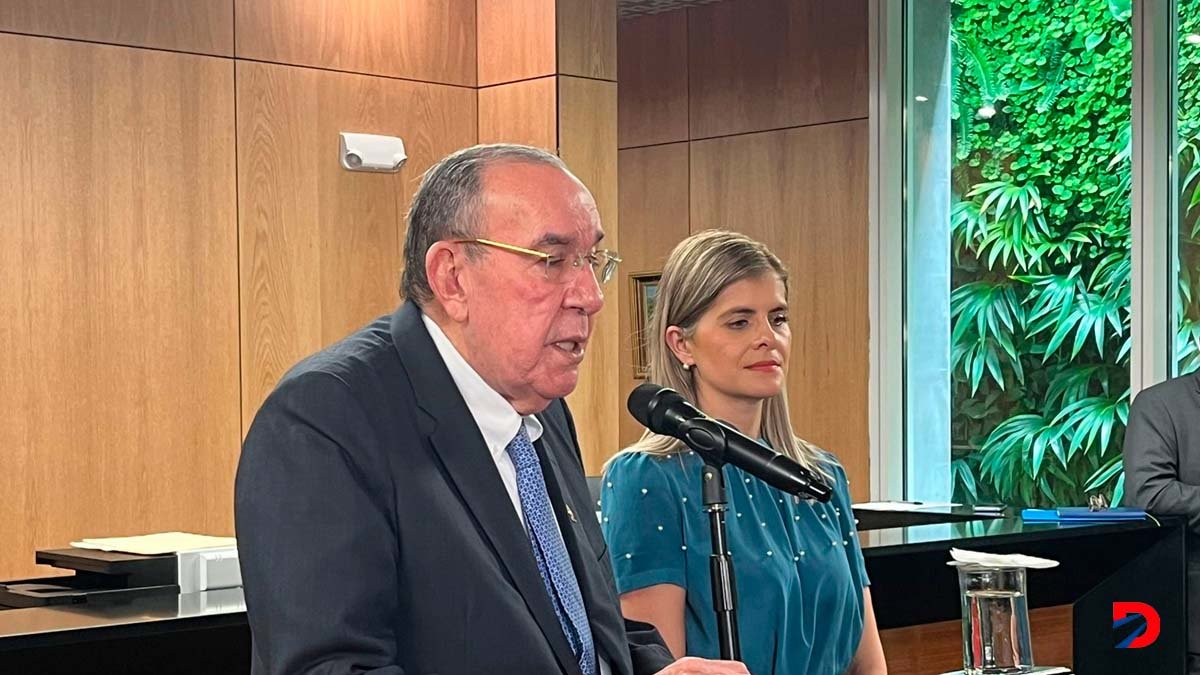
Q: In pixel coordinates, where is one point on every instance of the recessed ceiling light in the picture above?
(922, 99)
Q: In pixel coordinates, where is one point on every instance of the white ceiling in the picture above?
(628, 8)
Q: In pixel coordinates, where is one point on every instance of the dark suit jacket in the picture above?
(1162, 468)
(376, 536)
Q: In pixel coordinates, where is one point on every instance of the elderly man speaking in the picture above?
(407, 498)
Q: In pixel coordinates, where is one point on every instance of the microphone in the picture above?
(665, 412)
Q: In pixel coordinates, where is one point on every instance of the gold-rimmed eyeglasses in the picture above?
(602, 261)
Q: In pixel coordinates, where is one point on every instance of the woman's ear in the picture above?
(680, 346)
(444, 267)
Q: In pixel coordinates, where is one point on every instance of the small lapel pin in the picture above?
(570, 513)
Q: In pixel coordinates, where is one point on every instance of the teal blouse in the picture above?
(797, 563)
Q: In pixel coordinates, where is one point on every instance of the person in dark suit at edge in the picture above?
(1162, 473)
(411, 500)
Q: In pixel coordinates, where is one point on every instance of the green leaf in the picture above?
(976, 374)
(993, 366)
(1039, 453)
(1065, 326)
(1118, 492)
(1106, 473)
(1090, 419)
(1121, 10)
(964, 476)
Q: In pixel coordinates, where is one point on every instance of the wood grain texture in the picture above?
(654, 218)
(118, 281)
(587, 139)
(201, 26)
(772, 64)
(937, 647)
(321, 246)
(520, 112)
(801, 191)
(516, 40)
(587, 38)
(652, 68)
(411, 39)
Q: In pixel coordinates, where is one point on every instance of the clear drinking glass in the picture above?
(995, 620)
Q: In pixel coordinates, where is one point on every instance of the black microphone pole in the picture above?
(721, 564)
(708, 440)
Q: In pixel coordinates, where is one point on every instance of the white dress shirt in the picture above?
(497, 420)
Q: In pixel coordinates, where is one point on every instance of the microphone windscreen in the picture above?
(639, 402)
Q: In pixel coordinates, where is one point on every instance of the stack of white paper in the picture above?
(156, 544)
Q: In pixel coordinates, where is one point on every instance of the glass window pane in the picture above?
(1187, 295)
(1017, 218)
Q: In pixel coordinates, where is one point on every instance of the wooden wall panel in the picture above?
(654, 218)
(201, 26)
(118, 281)
(776, 63)
(516, 40)
(321, 246)
(587, 139)
(937, 647)
(520, 112)
(411, 39)
(802, 192)
(652, 69)
(587, 38)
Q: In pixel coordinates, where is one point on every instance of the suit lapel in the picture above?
(468, 464)
(597, 597)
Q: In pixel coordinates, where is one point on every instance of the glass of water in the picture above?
(995, 620)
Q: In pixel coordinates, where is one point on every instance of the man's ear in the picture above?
(444, 265)
(679, 345)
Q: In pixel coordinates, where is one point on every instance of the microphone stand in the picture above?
(707, 438)
(721, 564)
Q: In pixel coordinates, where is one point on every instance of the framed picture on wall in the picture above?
(645, 293)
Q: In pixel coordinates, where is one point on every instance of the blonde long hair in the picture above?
(695, 273)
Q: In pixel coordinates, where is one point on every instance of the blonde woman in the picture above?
(720, 337)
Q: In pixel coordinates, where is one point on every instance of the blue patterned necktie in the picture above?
(553, 561)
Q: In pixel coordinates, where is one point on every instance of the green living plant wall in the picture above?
(1041, 179)
(1187, 344)
(1040, 224)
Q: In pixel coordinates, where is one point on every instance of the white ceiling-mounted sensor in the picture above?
(371, 152)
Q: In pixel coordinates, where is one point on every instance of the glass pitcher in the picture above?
(995, 620)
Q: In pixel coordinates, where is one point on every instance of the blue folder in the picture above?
(1080, 514)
